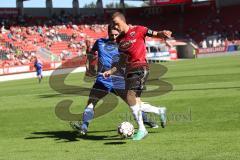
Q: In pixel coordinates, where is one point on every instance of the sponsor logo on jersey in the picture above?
(125, 45)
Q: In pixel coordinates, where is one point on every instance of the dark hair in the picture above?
(111, 27)
(120, 15)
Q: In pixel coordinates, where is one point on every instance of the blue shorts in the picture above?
(99, 90)
(111, 83)
(39, 72)
(106, 88)
(103, 86)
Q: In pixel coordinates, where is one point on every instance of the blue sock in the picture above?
(145, 118)
(88, 115)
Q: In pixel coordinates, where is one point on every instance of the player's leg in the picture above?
(132, 84)
(39, 79)
(161, 111)
(129, 96)
(145, 107)
(39, 75)
(122, 94)
(122, 88)
(146, 120)
(137, 113)
(97, 93)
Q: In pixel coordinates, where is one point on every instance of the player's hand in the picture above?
(167, 34)
(107, 74)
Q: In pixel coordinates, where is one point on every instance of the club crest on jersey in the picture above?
(132, 34)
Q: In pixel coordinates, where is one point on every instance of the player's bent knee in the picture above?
(131, 97)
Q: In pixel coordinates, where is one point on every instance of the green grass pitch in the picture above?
(203, 118)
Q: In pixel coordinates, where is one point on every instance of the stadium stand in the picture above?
(65, 37)
(66, 40)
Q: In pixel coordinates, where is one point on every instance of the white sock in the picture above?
(145, 107)
(90, 106)
(137, 113)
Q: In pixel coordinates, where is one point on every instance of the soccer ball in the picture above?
(126, 129)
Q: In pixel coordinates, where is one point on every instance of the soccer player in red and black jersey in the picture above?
(131, 43)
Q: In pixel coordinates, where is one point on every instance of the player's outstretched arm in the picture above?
(165, 34)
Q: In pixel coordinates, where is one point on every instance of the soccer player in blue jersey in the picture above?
(38, 66)
(108, 54)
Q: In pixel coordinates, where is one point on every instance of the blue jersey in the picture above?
(38, 66)
(107, 55)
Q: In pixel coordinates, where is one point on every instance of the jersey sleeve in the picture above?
(95, 47)
(143, 31)
(93, 52)
(92, 59)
